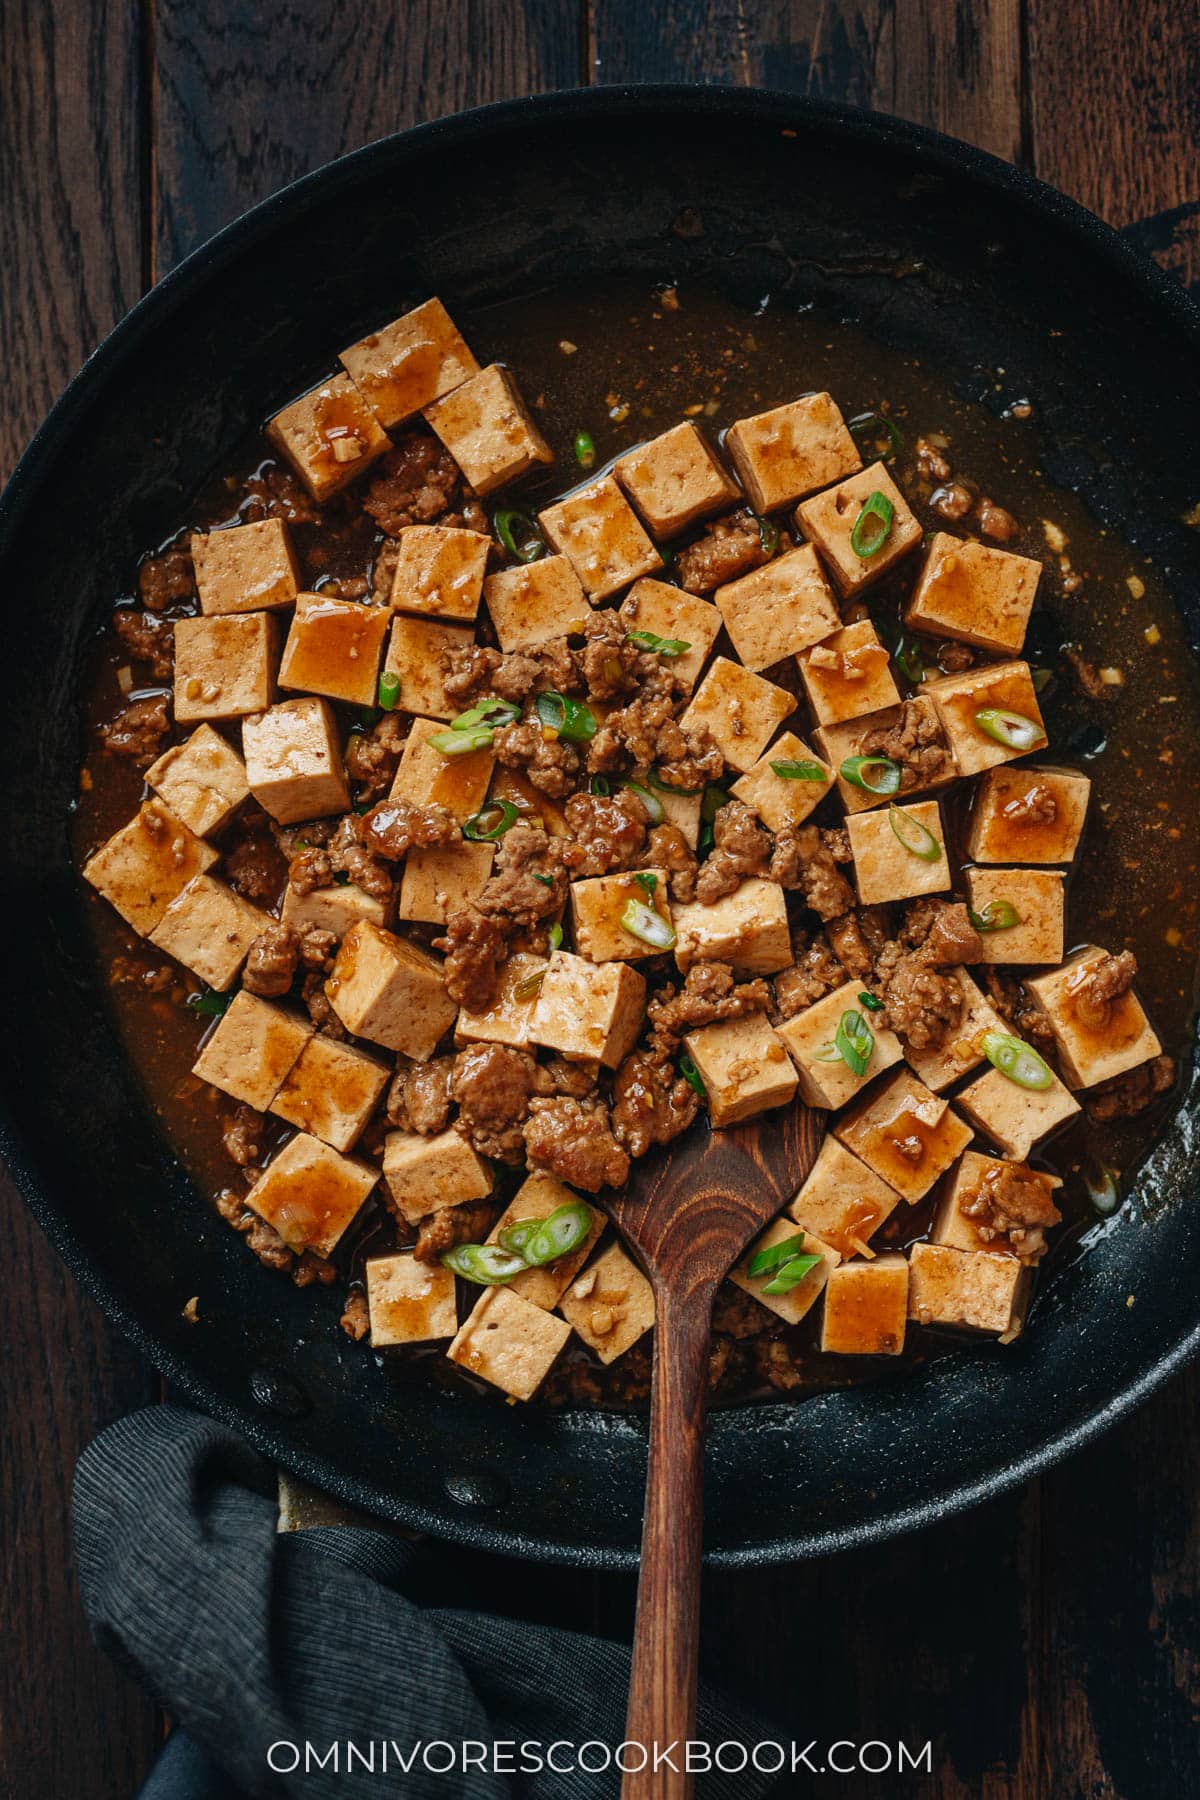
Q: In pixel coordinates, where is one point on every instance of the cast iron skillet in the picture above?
(997, 270)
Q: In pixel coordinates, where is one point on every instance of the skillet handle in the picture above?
(662, 1688)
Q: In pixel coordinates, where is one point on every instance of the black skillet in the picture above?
(998, 271)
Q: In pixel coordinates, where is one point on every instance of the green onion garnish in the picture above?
(997, 915)
(461, 743)
(514, 1237)
(485, 1264)
(650, 640)
(870, 1002)
(855, 1042)
(209, 1004)
(643, 923)
(768, 535)
(519, 535)
(872, 526)
(647, 880)
(877, 774)
(585, 449)
(570, 718)
(1016, 1060)
(1101, 1184)
(692, 1076)
(917, 839)
(798, 771)
(472, 730)
(715, 797)
(868, 426)
(546, 880)
(791, 1275)
(1012, 729)
(389, 690)
(490, 822)
(909, 660)
(775, 1255)
(565, 1230)
(555, 936)
(599, 784)
(651, 802)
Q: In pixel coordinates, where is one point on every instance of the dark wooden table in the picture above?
(1049, 1643)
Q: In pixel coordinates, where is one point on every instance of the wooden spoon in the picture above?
(689, 1214)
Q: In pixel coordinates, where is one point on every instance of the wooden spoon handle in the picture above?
(662, 1687)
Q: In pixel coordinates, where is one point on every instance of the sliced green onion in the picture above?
(1101, 1184)
(768, 535)
(647, 880)
(917, 839)
(485, 1264)
(872, 526)
(389, 690)
(868, 423)
(798, 771)
(570, 718)
(565, 1230)
(648, 926)
(514, 1237)
(461, 743)
(791, 1275)
(530, 986)
(654, 780)
(650, 640)
(546, 880)
(490, 822)
(877, 774)
(909, 659)
(715, 797)
(519, 535)
(692, 1076)
(1012, 729)
(490, 712)
(855, 1042)
(651, 802)
(827, 1052)
(870, 1002)
(997, 915)
(775, 1255)
(209, 1004)
(599, 784)
(585, 449)
(555, 935)
(1016, 1060)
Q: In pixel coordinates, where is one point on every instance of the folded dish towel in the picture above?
(251, 1638)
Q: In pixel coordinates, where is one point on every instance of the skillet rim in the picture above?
(841, 123)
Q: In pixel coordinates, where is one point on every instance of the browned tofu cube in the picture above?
(1027, 813)
(1036, 897)
(1097, 1038)
(294, 761)
(799, 1300)
(536, 1198)
(245, 568)
(333, 647)
(415, 653)
(792, 450)
(251, 1050)
(439, 571)
(311, 1194)
(427, 778)
(668, 612)
(202, 780)
(972, 1290)
(611, 1305)
(534, 602)
(333, 909)
(959, 1051)
(209, 929)
(488, 430)
(329, 435)
(390, 990)
(443, 879)
(425, 1173)
(826, 1079)
(598, 906)
(838, 742)
(509, 1342)
(597, 530)
(829, 520)
(866, 1308)
(778, 610)
(744, 1067)
(1002, 687)
(899, 852)
(848, 674)
(741, 710)
(589, 1012)
(747, 929)
(843, 1202)
(407, 365)
(331, 1090)
(409, 1302)
(969, 1218)
(907, 1134)
(225, 667)
(509, 1018)
(974, 592)
(785, 784)
(674, 480)
(1013, 1117)
(144, 865)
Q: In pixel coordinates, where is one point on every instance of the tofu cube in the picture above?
(488, 430)
(866, 1308)
(825, 1078)
(597, 907)
(1037, 895)
(425, 1173)
(329, 435)
(740, 709)
(144, 865)
(333, 909)
(1016, 1118)
(331, 1090)
(747, 929)
(792, 1306)
(415, 651)
(311, 1194)
(966, 1185)
(784, 800)
(960, 1052)
(675, 480)
(668, 612)
(972, 1290)
(779, 609)
(680, 810)
(442, 879)
(409, 1302)
(407, 365)
(333, 647)
(744, 1067)
(974, 592)
(886, 865)
(534, 602)
(294, 761)
(598, 532)
(252, 1049)
(1027, 813)
(850, 736)
(1007, 687)
(390, 990)
(225, 667)
(209, 929)
(906, 1134)
(843, 1203)
(828, 521)
(245, 568)
(509, 1018)
(202, 780)
(509, 1342)
(427, 778)
(847, 674)
(536, 1198)
(611, 1305)
(589, 1012)
(791, 450)
(1094, 1044)
(439, 571)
